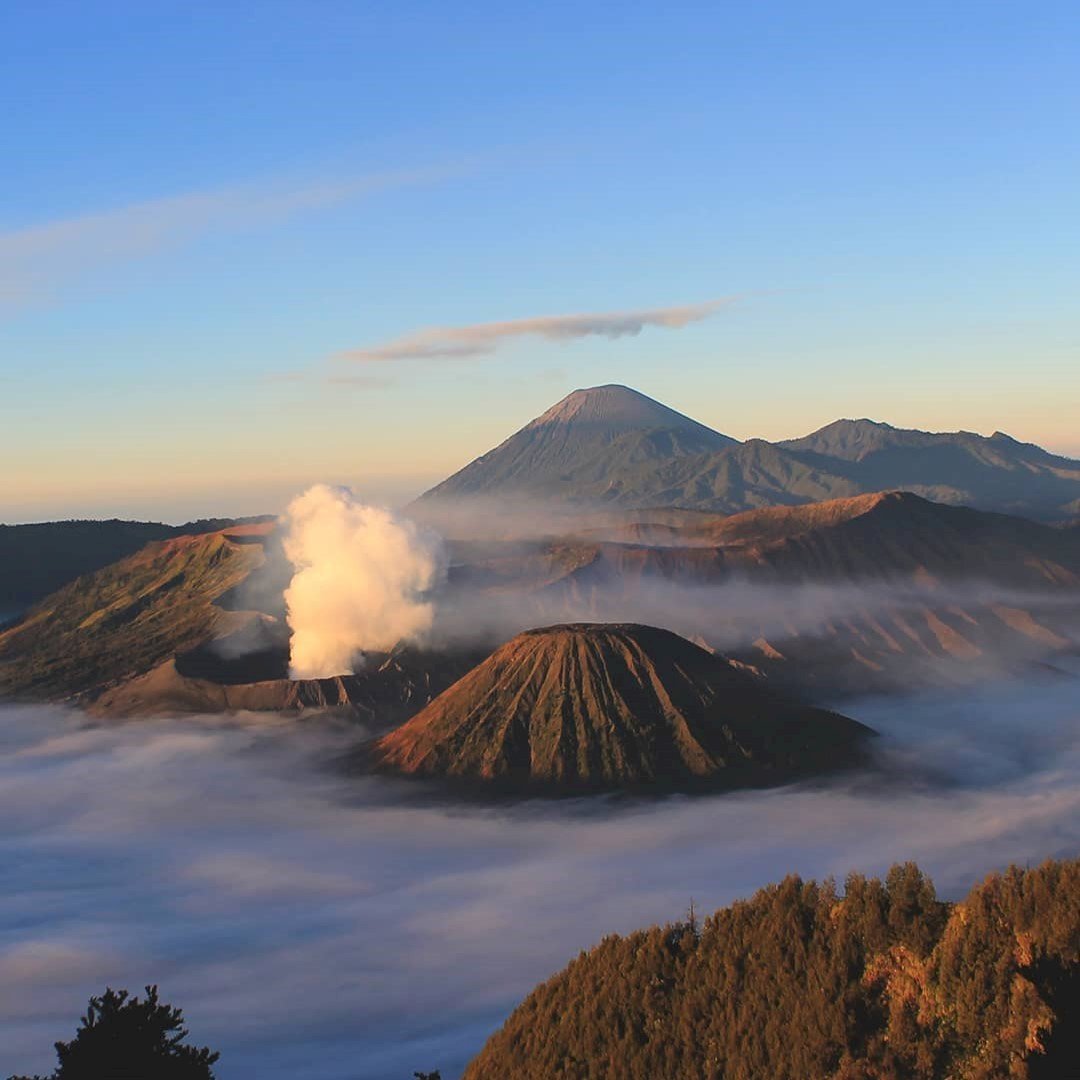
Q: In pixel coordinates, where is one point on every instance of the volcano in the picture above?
(611, 446)
(591, 445)
(594, 706)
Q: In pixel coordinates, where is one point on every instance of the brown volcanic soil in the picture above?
(887, 535)
(591, 706)
(930, 594)
(389, 689)
(893, 537)
(897, 533)
(129, 616)
(198, 622)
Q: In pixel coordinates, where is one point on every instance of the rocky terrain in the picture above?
(606, 706)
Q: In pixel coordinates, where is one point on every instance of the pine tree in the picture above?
(131, 1038)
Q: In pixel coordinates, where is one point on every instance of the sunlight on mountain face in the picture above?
(596, 463)
(315, 925)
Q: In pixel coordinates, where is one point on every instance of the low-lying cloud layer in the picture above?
(894, 617)
(482, 339)
(318, 927)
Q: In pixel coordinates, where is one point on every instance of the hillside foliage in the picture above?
(879, 981)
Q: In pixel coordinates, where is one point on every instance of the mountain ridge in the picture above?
(583, 438)
(613, 446)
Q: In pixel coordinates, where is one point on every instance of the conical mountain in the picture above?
(588, 446)
(612, 446)
(591, 706)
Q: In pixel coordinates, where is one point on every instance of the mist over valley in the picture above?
(350, 781)
(318, 925)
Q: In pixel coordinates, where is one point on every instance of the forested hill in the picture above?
(879, 981)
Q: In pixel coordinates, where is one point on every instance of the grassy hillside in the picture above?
(127, 617)
(37, 559)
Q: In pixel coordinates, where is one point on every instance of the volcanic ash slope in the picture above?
(594, 706)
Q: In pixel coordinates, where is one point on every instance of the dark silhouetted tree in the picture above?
(131, 1038)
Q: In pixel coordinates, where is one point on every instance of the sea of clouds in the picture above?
(320, 926)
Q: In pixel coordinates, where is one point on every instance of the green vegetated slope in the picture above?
(881, 981)
(127, 617)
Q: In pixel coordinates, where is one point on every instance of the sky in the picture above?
(227, 232)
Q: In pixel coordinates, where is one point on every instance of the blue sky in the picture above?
(204, 205)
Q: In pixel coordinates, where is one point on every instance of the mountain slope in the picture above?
(611, 446)
(884, 537)
(801, 981)
(880, 592)
(37, 559)
(195, 624)
(128, 616)
(995, 472)
(742, 477)
(591, 706)
(591, 441)
(894, 534)
(387, 690)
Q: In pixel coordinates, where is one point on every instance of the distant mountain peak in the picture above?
(862, 421)
(616, 408)
(854, 439)
(592, 441)
(611, 445)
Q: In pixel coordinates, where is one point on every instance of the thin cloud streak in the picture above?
(484, 339)
(365, 382)
(36, 262)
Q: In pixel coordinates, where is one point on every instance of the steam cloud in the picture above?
(361, 579)
(461, 342)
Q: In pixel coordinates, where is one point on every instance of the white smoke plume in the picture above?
(362, 575)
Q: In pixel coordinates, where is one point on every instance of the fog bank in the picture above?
(316, 927)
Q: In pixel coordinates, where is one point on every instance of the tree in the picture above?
(880, 982)
(131, 1038)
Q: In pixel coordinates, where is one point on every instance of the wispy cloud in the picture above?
(364, 382)
(361, 380)
(483, 339)
(37, 262)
